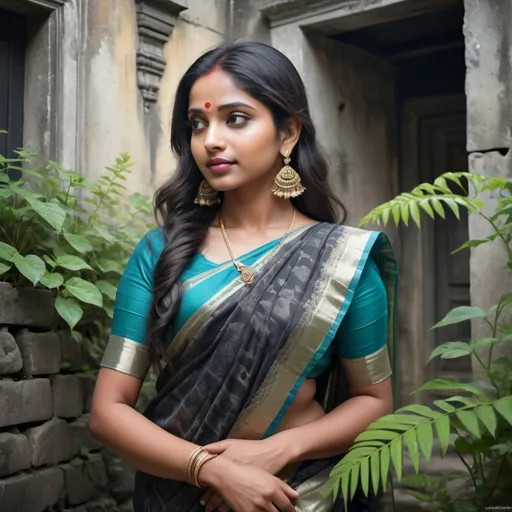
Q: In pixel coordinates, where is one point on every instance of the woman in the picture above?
(270, 320)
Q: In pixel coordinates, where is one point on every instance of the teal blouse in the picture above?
(362, 332)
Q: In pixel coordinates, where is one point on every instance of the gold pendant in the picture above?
(246, 275)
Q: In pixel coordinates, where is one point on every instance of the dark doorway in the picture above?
(12, 78)
(427, 54)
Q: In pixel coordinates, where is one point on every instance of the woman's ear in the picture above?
(291, 134)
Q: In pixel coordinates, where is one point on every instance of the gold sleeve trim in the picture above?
(368, 370)
(126, 356)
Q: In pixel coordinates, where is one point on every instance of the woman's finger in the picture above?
(224, 508)
(216, 447)
(282, 502)
(215, 501)
(292, 494)
(206, 497)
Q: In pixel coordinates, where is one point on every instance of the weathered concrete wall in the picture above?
(203, 26)
(83, 105)
(488, 34)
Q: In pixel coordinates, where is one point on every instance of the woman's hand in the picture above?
(267, 454)
(247, 488)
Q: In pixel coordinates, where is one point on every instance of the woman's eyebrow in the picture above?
(195, 110)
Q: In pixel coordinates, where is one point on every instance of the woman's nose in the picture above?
(214, 139)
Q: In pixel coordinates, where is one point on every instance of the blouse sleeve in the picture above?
(126, 350)
(362, 336)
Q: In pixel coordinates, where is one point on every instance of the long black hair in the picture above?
(268, 76)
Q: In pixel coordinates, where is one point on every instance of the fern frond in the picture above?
(432, 198)
(368, 460)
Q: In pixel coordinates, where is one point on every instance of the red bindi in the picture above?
(208, 105)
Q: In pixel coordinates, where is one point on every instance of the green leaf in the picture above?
(107, 289)
(51, 263)
(104, 233)
(444, 406)
(84, 291)
(384, 465)
(442, 424)
(395, 450)
(79, 242)
(484, 342)
(420, 409)
(375, 471)
(106, 265)
(69, 310)
(396, 214)
(415, 213)
(412, 446)
(470, 422)
(365, 476)
(109, 310)
(487, 416)
(461, 314)
(4, 268)
(453, 206)
(381, 435)
(31, 266)
(70, 262)
(354, 480)
(438, 207)
(426, 206)
(451, 350)
(470, 243)
(344, 488)
(504, 407)
(449, 385)
(52, 213)
(404, 211)
(7, 252)
(52, 280)
(425, 438)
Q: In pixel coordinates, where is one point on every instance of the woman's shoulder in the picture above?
(151, 244)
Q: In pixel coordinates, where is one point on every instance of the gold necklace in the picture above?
(247, 273)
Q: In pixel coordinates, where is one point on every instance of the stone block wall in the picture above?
(48, 458)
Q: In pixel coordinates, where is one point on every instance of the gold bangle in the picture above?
(190, 464)
(199, 464)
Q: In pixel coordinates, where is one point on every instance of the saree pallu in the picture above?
(241, 358)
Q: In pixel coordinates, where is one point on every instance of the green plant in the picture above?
(477, 422)
(69, 234)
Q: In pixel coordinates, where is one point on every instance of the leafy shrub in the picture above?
(476, 422)
(69, 234)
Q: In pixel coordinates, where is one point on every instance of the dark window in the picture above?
(12, 77)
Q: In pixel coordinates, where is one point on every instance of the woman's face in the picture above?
(234, 140)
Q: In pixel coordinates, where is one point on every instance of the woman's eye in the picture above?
(237, 119)
(197, 124)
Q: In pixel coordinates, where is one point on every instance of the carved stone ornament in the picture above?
(155, 22)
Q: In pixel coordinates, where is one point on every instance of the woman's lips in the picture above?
(220, 167)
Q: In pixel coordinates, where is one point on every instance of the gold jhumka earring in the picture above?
(287, 183)
(206, 195)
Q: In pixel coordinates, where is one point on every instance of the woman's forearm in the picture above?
(332, 434)
(140, 442)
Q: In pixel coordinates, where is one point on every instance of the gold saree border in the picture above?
(321, 312)
(314, 494)
(368, 370)
(194, 323)
(126, 356)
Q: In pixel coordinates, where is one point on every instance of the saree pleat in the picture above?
(217, 371)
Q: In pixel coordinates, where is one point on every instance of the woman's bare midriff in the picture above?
(303, 410)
